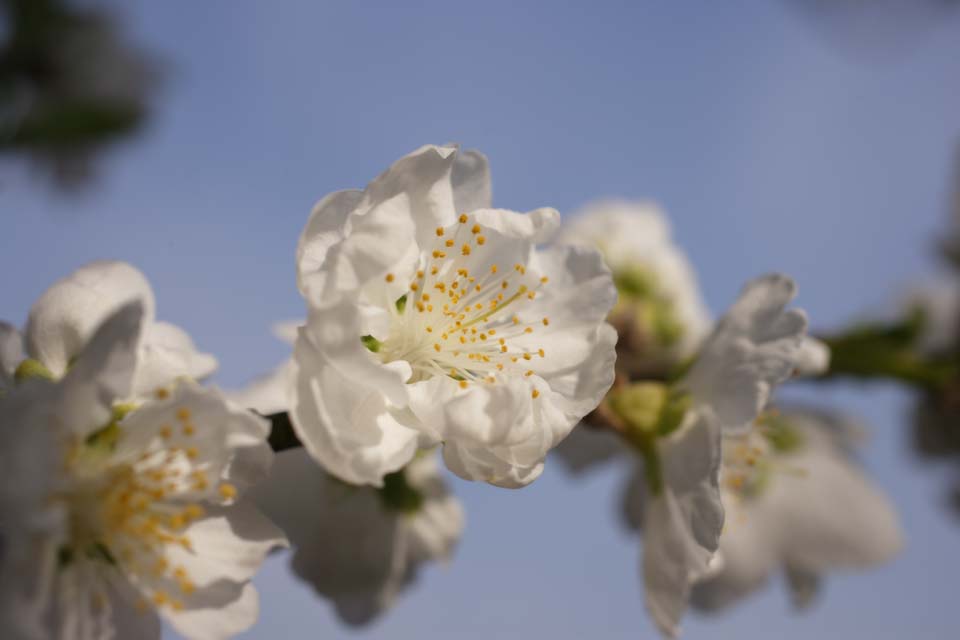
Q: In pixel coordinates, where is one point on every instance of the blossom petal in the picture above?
(814, 357)
(11, 354)
(755, 346)
(102, 374)
(470, 178)
(682, 523)
(228, 609)
(346, 426)
(168, 353)
(748, 554)
(229, 543)
(70, 311)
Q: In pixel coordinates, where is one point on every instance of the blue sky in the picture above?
(771, 145)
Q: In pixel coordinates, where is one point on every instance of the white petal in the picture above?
(749, 553)
(536, 226)
(682, 524)
(228, 544)
(344, 424)
(102, 373)
(346, 545)
(11, 354)
(831, 516)
(166, 354)
(814, 357)
(69, 312)
(755, 346)
(228, 610)
(471, 181)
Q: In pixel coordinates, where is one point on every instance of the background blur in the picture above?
(813, 138)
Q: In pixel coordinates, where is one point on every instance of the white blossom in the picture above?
(150, 490)
(65, 317)
(433, 318)
(360, 546)
(674, 493)
(796, 502)
(660, 314)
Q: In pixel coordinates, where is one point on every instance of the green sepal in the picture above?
(398, 495)
(371, 343)
(401, 303)
(31, 368)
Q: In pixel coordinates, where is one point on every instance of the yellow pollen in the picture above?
(183, 414)
(449, 242)
(534, 393)
(527, 356)
(499, 367)
(493, 332)
(161, 393)
(504, 284)
(160, 598)
(483, 336)
(425, 296)
(463, 218)
(491, 379)
(481, 240)
(463, 384)
(532, 295)
(465, 249)
(516, 320)
(476, 229)
(389, 277)
(429, 329)
(528, 330)
(493, 268)
(436, 346)
(189, 429)
(193, 511)
(544, 280)
(192, 453)
(439, 232)
(433, 271)
(420, 273)
(228, 491)
(420, 306)
(439, 254)
(546, 321)
(541, 353)
(503, 348)
(166, 432)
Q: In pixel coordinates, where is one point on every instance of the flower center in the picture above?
(460, 316)
(131, 513)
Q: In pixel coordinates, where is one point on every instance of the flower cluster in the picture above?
(437, 327)
(697, 415)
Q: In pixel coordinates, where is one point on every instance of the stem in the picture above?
(282, 435)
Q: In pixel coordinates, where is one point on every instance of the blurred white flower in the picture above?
(433, 318)
(660, 316)
(795, 501)
(359, 546)
(939, 303)
(674, 493)
(66, 316)
(149, 492)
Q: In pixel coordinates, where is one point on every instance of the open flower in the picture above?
(149, 491)
(65, 317)
(795, 501)
(674, 495)
(433, 318)
(360, 546)
(660, 316)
